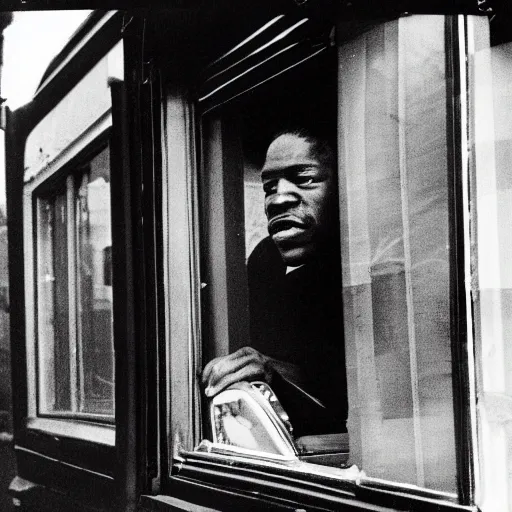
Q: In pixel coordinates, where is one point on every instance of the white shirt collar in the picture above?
(291, 269)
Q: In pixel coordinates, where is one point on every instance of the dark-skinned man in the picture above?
(295, 290)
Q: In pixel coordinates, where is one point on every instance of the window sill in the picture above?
(99, 434)
(245, 477)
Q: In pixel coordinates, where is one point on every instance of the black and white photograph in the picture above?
(255, 255)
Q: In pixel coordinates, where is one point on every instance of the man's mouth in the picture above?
(285, 228)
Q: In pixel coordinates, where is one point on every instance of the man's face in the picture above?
(300, 198)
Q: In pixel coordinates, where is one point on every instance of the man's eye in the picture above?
(303, 180)
(270, 187)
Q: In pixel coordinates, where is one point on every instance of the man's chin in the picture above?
(295, 256)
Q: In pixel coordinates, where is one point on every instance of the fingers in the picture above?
(214, 363)
(217, 370)
(217, 367)
(208, 368)
(225, 367)
(248, 372)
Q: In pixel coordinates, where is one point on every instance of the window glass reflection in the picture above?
(94, 241)
(75, 342)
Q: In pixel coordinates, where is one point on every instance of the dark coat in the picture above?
(298, 318)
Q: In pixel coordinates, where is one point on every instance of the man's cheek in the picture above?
(266, 208)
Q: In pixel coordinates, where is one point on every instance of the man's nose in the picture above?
(286, 191)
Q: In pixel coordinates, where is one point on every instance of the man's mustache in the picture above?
(281, 221)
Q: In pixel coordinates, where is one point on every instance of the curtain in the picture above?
(394, 212)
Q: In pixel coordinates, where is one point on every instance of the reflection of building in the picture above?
(96, 307)
(100, 238)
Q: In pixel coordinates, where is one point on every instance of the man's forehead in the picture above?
(289, 150)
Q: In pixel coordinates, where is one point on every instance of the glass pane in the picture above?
(53, 310)
(74, 295)
(491, 199)
(94, 255)
(395, 250)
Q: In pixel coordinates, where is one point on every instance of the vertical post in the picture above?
(72, 292)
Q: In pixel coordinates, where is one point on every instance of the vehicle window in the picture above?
(326, 252)
(74, 294)
(282, 309)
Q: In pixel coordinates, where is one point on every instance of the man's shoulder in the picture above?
(265, 257)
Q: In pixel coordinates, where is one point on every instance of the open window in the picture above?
(293, 314)
(360, 332)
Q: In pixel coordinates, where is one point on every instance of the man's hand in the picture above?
(244, 364)
(247, 364)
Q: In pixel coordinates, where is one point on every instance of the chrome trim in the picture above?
(252, 68)
(413, 489)
(280, 36)
(351, 474)
(250, 38)
(228, 450)
(466, 49)
(355, 479)
(284, 436)
(265, 80)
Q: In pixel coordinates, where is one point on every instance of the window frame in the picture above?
(67, 165)
(51, 451)
(62, 460)
(235, 470)
(65, 177)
